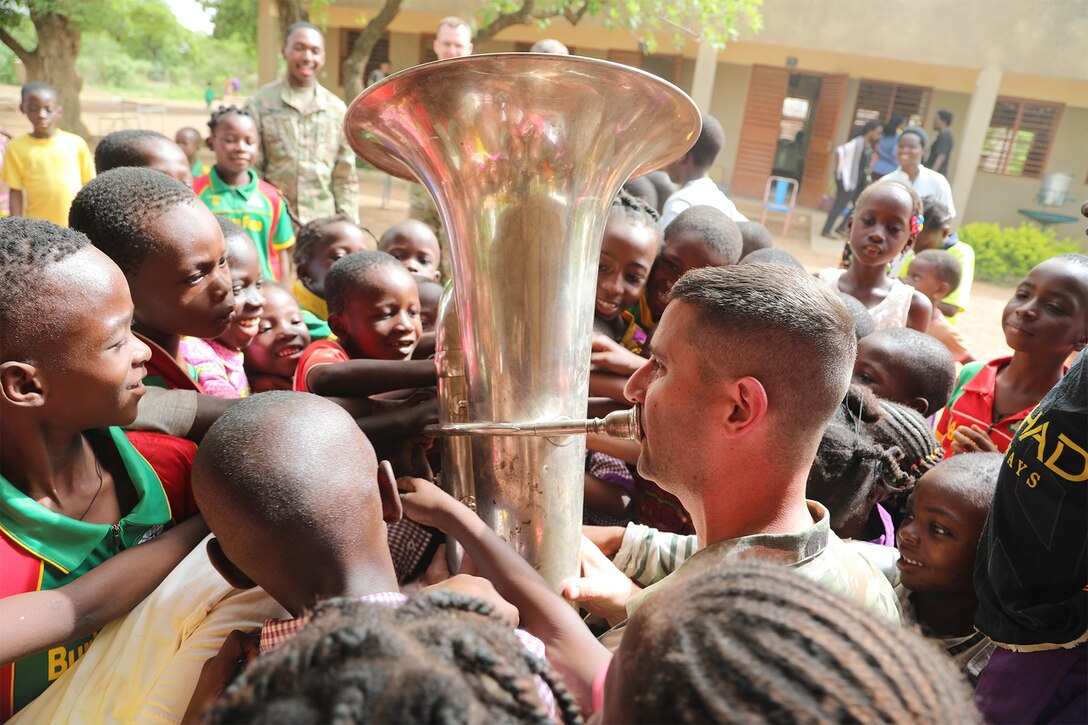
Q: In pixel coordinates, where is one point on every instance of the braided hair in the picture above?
(912, 447)
(439, 658)
(222, 112)
(753, 642)
(633, 208)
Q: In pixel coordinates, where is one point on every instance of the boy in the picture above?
(145, 149)
(907, 367)
(188, 139)
(1044, 322)
(937, 234)
(233, 190)
(76, 491)
(414, 245)
(935, 273)
(172, 253)
(46, 167)
(938, 542)
(321, 243)
(692, 173)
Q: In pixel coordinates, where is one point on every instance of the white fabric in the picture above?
(849, 155)
(700, 192)
(929, 185)
(143, 667)
(892, 311)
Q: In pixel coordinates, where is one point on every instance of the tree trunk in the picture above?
(355, 63)
(54, 62)
(291, 12)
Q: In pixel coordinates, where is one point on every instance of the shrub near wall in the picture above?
(1007, 254)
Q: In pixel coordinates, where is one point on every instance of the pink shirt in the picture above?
(218, 368)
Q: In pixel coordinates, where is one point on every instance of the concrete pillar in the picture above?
(269, 41)
(980, 109)
(702, 84)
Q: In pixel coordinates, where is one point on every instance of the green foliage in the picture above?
(233, 18)
(1007, 254)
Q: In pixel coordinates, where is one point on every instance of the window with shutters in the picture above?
(1019, 137)
(879, 101)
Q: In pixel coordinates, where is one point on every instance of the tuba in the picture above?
(523, 154)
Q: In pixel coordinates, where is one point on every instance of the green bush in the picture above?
(1007, 254)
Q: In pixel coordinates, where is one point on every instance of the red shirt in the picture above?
(317, 353)
(973, 404)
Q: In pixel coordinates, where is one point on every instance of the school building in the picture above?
(1013, 73)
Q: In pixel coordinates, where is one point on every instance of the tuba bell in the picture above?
(523, 154)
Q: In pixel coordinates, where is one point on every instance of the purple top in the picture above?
(886, 524)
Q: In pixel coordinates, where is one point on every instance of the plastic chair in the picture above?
(779, 187)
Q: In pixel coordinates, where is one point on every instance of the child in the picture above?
(219, 362)
(189, 140)
(937, 234)
(271, 359)
(771, 256)
(628, 249)
(935, 273)
(75, 490)
(887, 218)
(1044, 322)
(907, 367)
(143, 149)
(430, 294)
(863, 321)
(172, 253)
(46, 167)
(938, 541)
(692, 173)
(320, 244)
(754, 236)
(232, 189)
(414, 245)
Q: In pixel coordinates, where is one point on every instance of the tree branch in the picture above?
(20, 52)
(522, 15)
(574, 16)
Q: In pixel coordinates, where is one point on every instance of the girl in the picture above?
(272, 357)
(218, 362)
(927, 182)
(887, 219)
(320, 244)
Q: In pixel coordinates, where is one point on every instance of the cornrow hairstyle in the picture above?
(754, 642)
(713, 226)
(916, 207)
(116, 208)
(37, 87)
(949, 269)
(124, 148)
(848, 459)
(313, 234)
(357, 273)
(644, 189)
(28, 248)
(912, 447)
(634, 208)
(439, 658)
(222, 112)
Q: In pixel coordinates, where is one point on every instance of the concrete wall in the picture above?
(730, 93)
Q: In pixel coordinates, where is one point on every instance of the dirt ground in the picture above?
(383, 202)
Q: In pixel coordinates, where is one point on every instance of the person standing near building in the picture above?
(886, 162)
(853, 172)
(303, 150)
(941, 151)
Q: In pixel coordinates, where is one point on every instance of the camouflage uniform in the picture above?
(303, 150)
(648, 555)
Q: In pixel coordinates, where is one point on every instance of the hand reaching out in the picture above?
(602, 589)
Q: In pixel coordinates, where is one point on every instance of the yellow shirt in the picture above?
(49, 172)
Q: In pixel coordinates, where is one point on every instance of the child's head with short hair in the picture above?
(863, 321)
(40, 103)
(168, 245)
(430, 294)
(700, 236)
(413, 244)
(939, 536)
(906, 366)
(285, 519)
(245, 274)
(281, 337)
(935, 273)
(886, 220)
(936, 227)
(772, 256)
(189, 140)
(700, 157)
(143, 149)
(1048, 314)
(373, 306)
(233, 138)
(321, 243)
(441, 657)
(754, 236)
(67, 355)
(628, 249)
(758, 642)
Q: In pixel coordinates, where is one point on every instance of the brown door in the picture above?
(819, 163)
(759, 133)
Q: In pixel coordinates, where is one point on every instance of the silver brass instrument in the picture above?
(522, 154)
